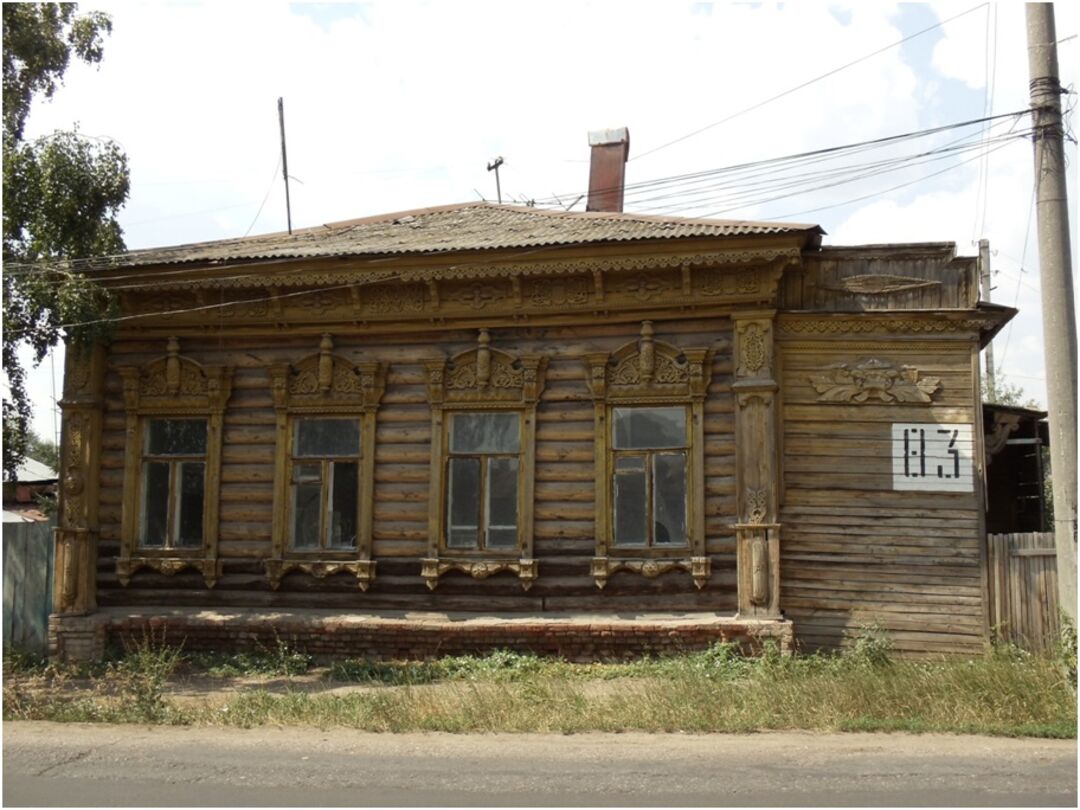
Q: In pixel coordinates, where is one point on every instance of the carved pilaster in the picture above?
(757, 467)
(75, 580)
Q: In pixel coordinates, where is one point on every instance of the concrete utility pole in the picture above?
(1055, 272)
(984, 283)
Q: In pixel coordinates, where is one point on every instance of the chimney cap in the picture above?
(603, 137)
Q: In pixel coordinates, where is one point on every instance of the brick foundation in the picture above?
(416, 636)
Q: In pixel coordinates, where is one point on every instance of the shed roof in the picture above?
(451, 228)
(32, 471)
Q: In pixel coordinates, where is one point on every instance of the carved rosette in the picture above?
(363, 570)
(603, 567)
(874, 380)
(433, 567)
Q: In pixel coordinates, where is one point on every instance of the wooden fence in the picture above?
(28, 577)
(1024, 589)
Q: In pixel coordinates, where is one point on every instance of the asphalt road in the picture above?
(49, 764)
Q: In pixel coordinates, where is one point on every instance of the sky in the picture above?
(391, 106)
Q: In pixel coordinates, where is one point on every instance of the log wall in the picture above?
(564, 539)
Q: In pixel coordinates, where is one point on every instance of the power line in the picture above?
(809, 82)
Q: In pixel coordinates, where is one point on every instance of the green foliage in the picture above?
(61, 197)
(1006, 393)
(281, 660)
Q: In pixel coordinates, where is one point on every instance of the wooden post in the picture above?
(756, 467)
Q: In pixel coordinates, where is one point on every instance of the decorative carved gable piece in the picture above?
(485, 375)
(175, 384)
(649, 369)
(873, 379)
(326, 381)
(881, 284)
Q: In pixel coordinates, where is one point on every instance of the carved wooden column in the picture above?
(75, 579)
(756, 466)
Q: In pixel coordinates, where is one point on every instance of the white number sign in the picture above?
(930, 457)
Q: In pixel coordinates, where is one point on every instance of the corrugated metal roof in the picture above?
(31, 470)
(462, 227)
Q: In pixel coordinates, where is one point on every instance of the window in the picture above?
(175, 409)
(649, 484)
(483, 427)
(173, 483)
(325, 484)
(482, 481)
(648, 410)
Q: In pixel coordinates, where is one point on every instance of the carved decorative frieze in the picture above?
(175, 384)
(385, 299)
(873, 379)
(363, 570)
(433, 568)
(327, 382)
(866, 325)
(729, 282)
(558, 291)
(698, 567)
(478, 295)
(485, 375)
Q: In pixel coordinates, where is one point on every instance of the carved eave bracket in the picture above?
(485, 377)
(327, 383)
(648, 370)
(698, 567)
(873, 380)
(208, 567)
(431, 568)
(363, 570)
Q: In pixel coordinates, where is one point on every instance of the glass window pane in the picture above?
(630, 501)
(176, 437)
(155, 503)
(307, 503)
(346, 477)
(307, 473)
(192, 478)
(463, 503)
(485, 433)
(502, 489)
(669, 498)
(641, 428)
(327, 437)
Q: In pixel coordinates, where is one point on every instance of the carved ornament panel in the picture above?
(874, 380)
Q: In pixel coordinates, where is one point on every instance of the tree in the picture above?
(61, 196)
(43, 450)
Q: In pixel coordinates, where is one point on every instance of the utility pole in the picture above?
(494, 166)
(1055, 274)
(984, 281)
(284, 161)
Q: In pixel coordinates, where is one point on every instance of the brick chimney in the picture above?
(607, 170)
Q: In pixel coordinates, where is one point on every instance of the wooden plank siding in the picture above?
(564, 538)
(856, 553)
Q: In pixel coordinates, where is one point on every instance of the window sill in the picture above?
(321, 567)
(432, 568)
(698, 567)
(169, 562)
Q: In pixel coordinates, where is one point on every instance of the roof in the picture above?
(451, 228)
(30, 471)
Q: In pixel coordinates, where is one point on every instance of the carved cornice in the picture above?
(865, 323)
(363, 570)
(873, 379)
(127, 566)
(698, 567)
(485, 376)
(325, 382)
(648, 370)
(433, 568)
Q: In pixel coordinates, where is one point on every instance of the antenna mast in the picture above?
(494, 166)
(284, 161)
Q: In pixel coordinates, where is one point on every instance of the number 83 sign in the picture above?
(932, 458)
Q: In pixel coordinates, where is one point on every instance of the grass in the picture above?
(1006, 692)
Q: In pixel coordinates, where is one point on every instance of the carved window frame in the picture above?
(324, 385)
(172, 387)
(649, 373)
(482, 380)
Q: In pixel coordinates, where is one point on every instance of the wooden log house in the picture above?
(485, 425)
